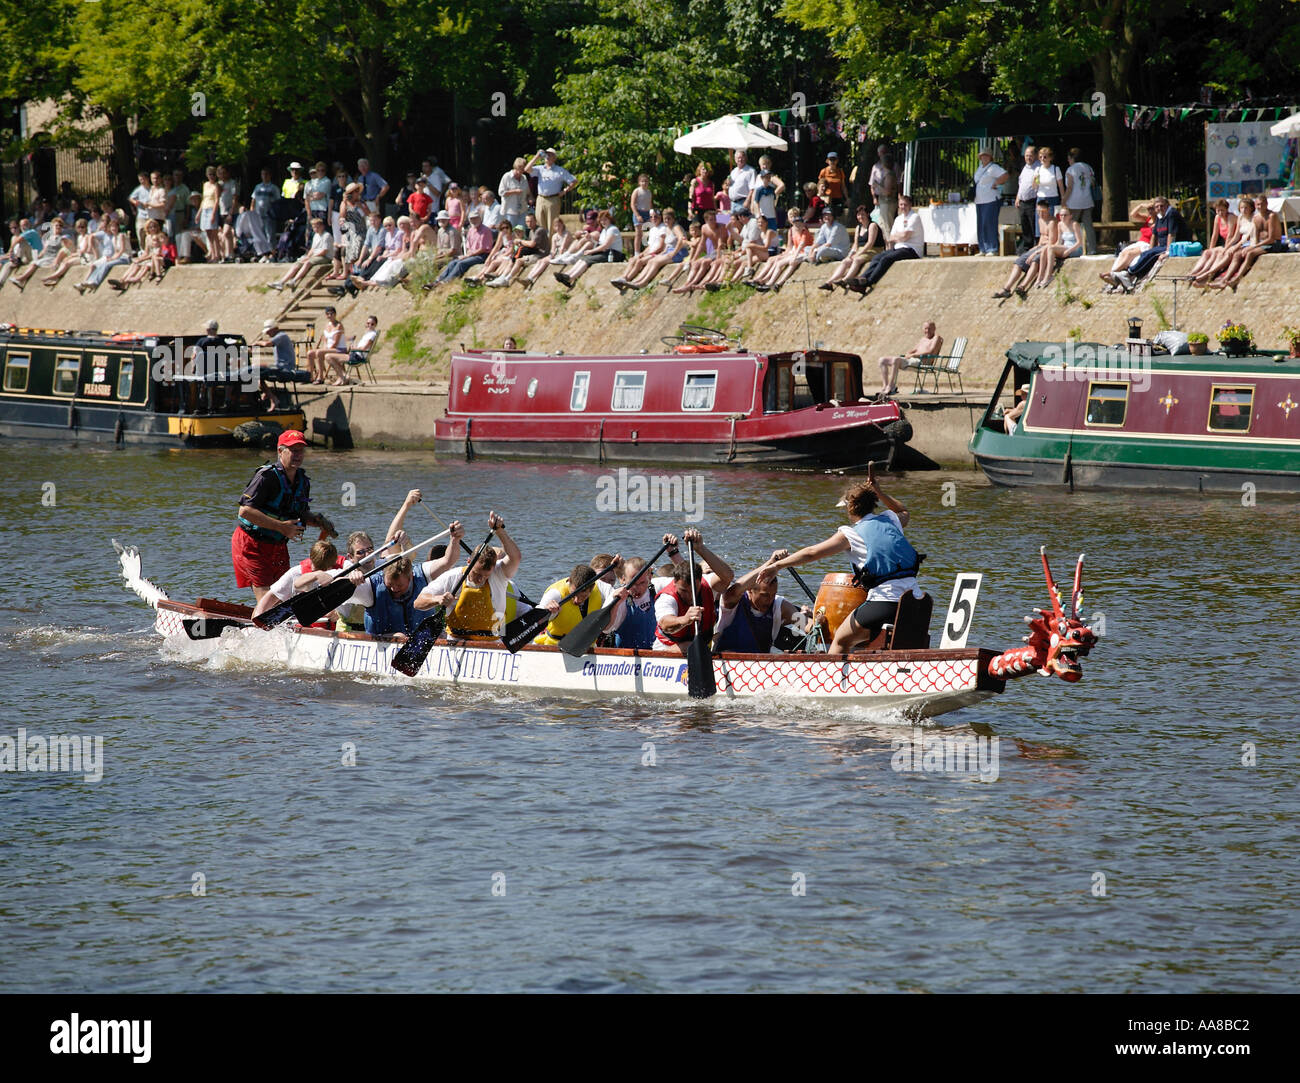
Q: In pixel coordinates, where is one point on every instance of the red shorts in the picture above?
(257, 563)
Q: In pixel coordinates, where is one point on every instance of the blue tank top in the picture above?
(638, 628)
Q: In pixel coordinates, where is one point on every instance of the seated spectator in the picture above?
(117, 253)
(672, 247)
(1069, 244)
(1267, 238)
(19, 254)
(318, 255)
(798, 249)
(501, 255)
(84, 250)
(331, 341)
(357, 354)
(929, 345)
(398, 252)
(1025, 269)
(756, 242)
(699, 261)
(534, 246)
(815, 200)
(1164, 232)
(831, 242)
(192, 235)
(1223, 235)
(286, 355)
(906, 241)
(149, 261)
(1012, 416)
(54, 245)
(607, 249)
(478, 241)
(560, 242)
(655, 236)
(866, 236)
(1141, 213)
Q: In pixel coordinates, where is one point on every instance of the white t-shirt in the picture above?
(904, 223)
(656, 237)
(513, 191)
(740, 182)
(1050, 181)
(892, 589)
(987, 189)
(493, 215)
(1027, 189)
(365, 594)
(612, 237)
(497, 581)
(1082, 178)
(367, 340)
(439, 180)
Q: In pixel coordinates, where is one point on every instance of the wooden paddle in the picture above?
(519, 593)
(523, 630)
(699, 659)
(578, 642)
(309, 606)
(415, 650)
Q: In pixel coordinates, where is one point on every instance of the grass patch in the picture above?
(421, 271)
(458, 311)
(1165, 325)
(1065, 294)
(718, 309)
(403, 342)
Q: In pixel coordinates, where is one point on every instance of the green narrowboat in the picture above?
(1122, 417)
(129, 388)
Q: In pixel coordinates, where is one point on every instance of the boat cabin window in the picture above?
(1230, 408)
(1107, 404)
(578, 396)
(629, 391)
(125, 377)
(17, 367)
(66, 371)
(699, 390)
(840, 382)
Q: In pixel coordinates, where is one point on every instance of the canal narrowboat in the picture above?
(693, 404)
(129, 388)
(1122, 417)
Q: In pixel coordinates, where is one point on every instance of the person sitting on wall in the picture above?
(906, 241)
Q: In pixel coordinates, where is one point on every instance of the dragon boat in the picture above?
(915, 679)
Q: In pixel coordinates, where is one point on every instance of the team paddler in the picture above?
(884, 561)
(751, 613)
(273, 511)
(675, 616)
(480, 609)
(583, 583)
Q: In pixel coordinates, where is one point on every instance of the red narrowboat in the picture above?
(696, 404)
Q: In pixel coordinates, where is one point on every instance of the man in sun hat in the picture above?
(273, 510)
(554, 182)
(293, 182)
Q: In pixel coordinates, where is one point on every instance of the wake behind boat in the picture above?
(920, 682)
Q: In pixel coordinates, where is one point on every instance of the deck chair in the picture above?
(358, 359)
(948, 365)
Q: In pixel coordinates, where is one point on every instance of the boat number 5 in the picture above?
(956, 625)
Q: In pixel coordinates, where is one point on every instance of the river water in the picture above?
(1140, 834)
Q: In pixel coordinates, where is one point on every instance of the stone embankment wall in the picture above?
(420, 329)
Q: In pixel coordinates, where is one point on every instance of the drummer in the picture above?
(882, 557)
(273, 511)
(480, 608)
(751, 613)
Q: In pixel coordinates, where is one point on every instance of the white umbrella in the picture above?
(1288, 128)
(730, 133)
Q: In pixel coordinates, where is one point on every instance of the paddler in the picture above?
(390, 595)
(884, 562)
(566, 617)
(324, 558)
(273, 511)
(480, 610)
(751, 613)
(675, 616)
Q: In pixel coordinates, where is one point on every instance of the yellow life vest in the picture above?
(512, 603)
(567, 619)
(473, 611)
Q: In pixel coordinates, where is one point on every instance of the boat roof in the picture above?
(1035, 355)
(54, 336)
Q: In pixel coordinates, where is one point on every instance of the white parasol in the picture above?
(1289, 128)
(728, 132)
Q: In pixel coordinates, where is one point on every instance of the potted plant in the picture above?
(1235, 339)
(1198, 342)
(1292, 336)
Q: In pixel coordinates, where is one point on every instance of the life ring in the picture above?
(698, 347)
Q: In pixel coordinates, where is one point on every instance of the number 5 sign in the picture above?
(956, 625)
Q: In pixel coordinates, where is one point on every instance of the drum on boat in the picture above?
(840, 596)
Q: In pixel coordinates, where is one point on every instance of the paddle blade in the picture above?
(415, 650)
(699, 670)
(210, 627)
(523, 630)
(578, 642)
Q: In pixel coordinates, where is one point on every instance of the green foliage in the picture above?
(1159, 310)
(459, 310)
(718, 309)
(420, 271)
(403, 341)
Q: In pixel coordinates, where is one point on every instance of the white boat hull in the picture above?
(920, 683)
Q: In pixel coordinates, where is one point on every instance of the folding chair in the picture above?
(948, 365)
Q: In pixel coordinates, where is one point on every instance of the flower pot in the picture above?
(1295, 349)
(1198, 348)
(1233, 347)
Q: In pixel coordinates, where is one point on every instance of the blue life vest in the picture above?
(388, 616)
(638, 628)
(288, 503)
(889, 554)
(748, 632)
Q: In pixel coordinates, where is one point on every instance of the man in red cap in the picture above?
(273, 510)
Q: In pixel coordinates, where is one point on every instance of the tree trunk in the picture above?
(122, 167)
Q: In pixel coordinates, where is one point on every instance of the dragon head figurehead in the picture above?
(1056, 642)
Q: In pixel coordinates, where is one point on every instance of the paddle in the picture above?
(465, 547)
(414, 651)
(523, 630)
(699, 660)
(578, 642)
(311, 605)
(800, 580)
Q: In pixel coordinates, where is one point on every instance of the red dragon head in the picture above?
(1055, 642)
